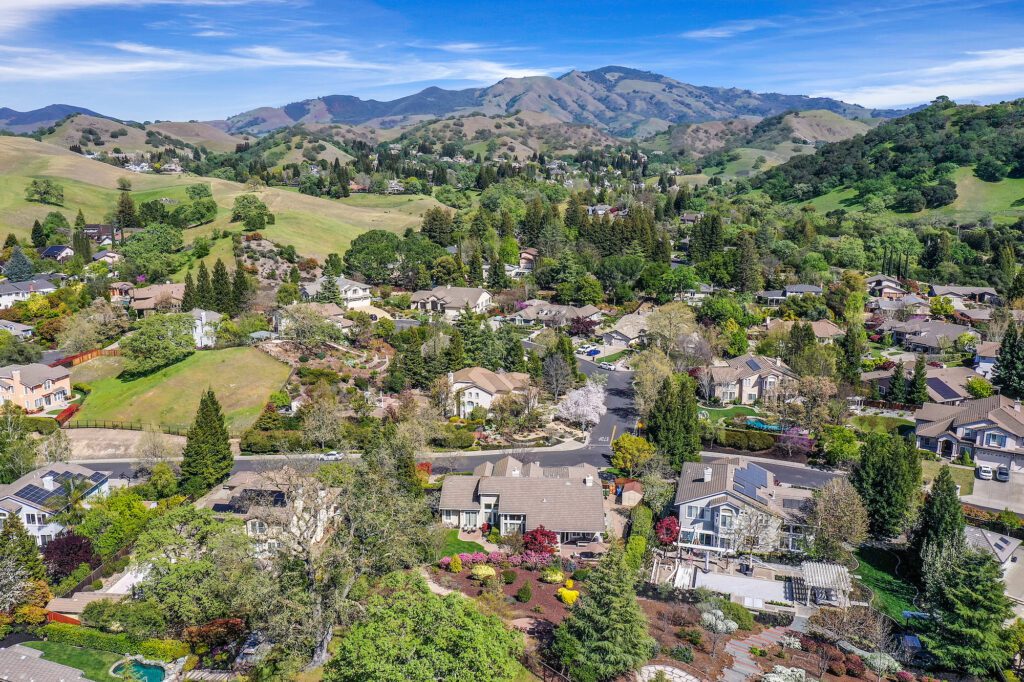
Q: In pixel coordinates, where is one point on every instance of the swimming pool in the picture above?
(762, 426)
(144, 671)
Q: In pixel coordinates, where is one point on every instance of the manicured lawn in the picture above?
(94, 664)
(453, 545)
(873, 423)
(962, 476)
(242, 378)
(879, 573)
(717, 414)
(615, 357)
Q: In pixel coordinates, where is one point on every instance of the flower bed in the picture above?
(530, 561)
(544, 603)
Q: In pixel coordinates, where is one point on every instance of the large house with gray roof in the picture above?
(924, 336)
(24, 664)
(775, 297)
(37, 496)
(990, 430)
(12, 292)
(712, 499)
(450, 301)
(517, 498)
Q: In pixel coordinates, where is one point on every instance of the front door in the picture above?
(469, 519)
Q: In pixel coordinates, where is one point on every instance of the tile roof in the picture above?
(33, 374)
(493, 382)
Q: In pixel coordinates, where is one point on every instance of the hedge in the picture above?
(261, 442)
(636, 548)
(774, 618)
(44, 426)
(90, 638)
(641, 521)
(754, 441)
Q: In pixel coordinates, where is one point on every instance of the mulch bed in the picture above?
(807, 661)
(544, 594)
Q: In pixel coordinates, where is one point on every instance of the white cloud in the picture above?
(461, 47)
(17, 14)
(728, 29)
(983, 74)
(212, 34)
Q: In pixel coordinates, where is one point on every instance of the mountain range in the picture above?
(615, 99)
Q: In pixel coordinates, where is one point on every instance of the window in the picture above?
(44, 540)
(970, 434)
(257, 527)
(30, 519)
(725, 520)
(751, 397)
(691, 511)
(995, 439)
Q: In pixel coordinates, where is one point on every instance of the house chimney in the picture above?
(16, 376)
(778, 362)
(1016, 406)
(588, 481)
(515, 472)
(49, 483)
(707, 474)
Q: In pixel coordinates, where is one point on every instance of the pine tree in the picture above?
(19, 267)
(707, 238)
(125, 215)
(1016, 289)
(496, 278)
(80, 220)
(476, 268)
(38, 235)
(748, 266)
(898, 389)
(188, 298)
(220, 283)
(672, 423)
(239, 290)
(888, 477)
(207, 458)
(917, 392)
(11, 241)
(328, 292)
(941, 519)
(15, 542)
(605, 635)
(851, 349)
(801, 337)
(204, 291)
(1009, 371)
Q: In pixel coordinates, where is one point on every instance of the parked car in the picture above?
(984, 472)
(593, 351)
(1003, 473)
(582, 350)
(606, 365)
(332, 456)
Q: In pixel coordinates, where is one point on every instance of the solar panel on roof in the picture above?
(942, 388)
(752, 364)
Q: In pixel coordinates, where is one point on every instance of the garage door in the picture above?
(991, 459)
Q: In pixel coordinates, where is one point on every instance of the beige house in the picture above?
(479, 387)
(946, 385)
(158, 298)
(825, 331)
(35, 387)
(450, 301)
(749, 378)
(629, 330)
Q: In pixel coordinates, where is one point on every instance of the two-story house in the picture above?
(37, 497)
(12, 292)
(990, 430)
(885, 287)
(473, 387)
(517, 498)
(16, 329)
(450, 301)
(353, 294)
(35, 387)
(718, 503)
(749, 378)
(775, 297)
(825, 331)
(553, 314)
(204, 327)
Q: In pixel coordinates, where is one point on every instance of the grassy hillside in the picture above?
(200, 134)
(98, 134)
(314, 226)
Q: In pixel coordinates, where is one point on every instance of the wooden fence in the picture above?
(97, 572)
(72, 360)
(169, 429)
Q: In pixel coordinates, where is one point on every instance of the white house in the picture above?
(776, 297)
(479, 387)
(353, 294)
(985, 356)
(16, 329)
(451, 301)
(12, 292)
(38, 496)
(204, 327)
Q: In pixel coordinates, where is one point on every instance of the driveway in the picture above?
(996, 496)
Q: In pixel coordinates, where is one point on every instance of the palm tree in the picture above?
(71, 500)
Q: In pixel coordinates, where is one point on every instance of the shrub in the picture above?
(44, 426)
(882, 663)
(682, 653)
(904, 676)
(855, 666)
(524, 593)
(163, 649)
(745, 440)
(641, 521)
(774, 618)
(743, 618)
(76, 576)
(30, 615)
(482, 572)
(87, 638)
(568, 583)
(837, 665)
(82, 388)
(581, 574)
(568, 596)
(552, 575)
(456, 564)
(691, 636)
(508, 577)
(636, 549)
(540, 540)
(758, 651)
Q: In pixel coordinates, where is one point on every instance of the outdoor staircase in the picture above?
(743, 666)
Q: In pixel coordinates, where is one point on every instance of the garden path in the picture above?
(743, 665)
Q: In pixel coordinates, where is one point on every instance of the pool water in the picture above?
(760, 425)
(146, 673)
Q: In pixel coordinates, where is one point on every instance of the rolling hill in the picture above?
(29, 121)
(618, 100)
(313, 225)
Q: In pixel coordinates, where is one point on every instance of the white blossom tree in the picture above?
(718, 628)
(13, 583)
(583, 406)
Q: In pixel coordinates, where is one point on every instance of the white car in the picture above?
(332, 456)
(1003, 473)
(984, 472)
(583, 349)
(607, 365)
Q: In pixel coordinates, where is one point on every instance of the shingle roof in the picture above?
(30, 286)
(21, 663)
(1002, 546)
(748, 365)
(452, 297)
(31, 489)
(934, 420)
(492, 382)
(34, 374)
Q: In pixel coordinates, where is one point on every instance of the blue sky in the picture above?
(203, 59)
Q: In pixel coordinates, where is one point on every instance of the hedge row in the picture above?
(261, 442)
(44, 426)
(754, 441)
(89, 638)
(641, 521)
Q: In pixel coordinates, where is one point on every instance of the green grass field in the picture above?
(243, 379)
(219, 249)
(718, 414)
(962, 476)
(453, 545)
(873, 423)
(94, 664)
(878, 570)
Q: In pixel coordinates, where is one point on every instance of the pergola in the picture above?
(826, 583)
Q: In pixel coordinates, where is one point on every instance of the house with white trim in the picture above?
(990, 430)
(35, 386)
(474, 387)
(12, 292)
(749, 378)
(37, 497)
(450, 301)
(353, 294)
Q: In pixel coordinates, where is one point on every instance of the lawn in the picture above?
(615, 357)
(222, 249)
(718, 414)
(94, 664)
(453, 545)
(242, 378)
(878, 570)
(874, 423)
(962, 476)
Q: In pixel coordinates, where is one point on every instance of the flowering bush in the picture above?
(568, 596)
(445, 562)
(469, 559)
(482, 572)
(883, 664)
(904, 676)
(540, 540)
(855, 666)
(568, 583)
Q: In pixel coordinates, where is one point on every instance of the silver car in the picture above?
(332, 456)
(984, 472)
(1003, 473)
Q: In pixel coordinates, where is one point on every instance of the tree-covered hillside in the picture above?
(906, 164)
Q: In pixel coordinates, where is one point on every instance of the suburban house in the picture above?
(825, 331)
(777, 296)
(104, 235)
(1002, 547)
(353, 294)
(690, 218)
(749, 378)
(924, 336)
(479, 387)
(451, 301)
(204, 327)
(629, 330)
(332, 312)
(108, 257)
(19, 662)
(16, 329)
(991, 430)
(121, 292)
(517, 498)
(985, 356)
(553, 314)
(270, 502)
(37, 496)
(972, 294)
(57, 252)
(12, 292)
(947, 385)
(35, 387)
(911, 305)
(162, 298)
(528, 259)
(886, 287)
(724, 505)
(696, 296)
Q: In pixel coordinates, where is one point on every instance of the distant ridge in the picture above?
(44, 117)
